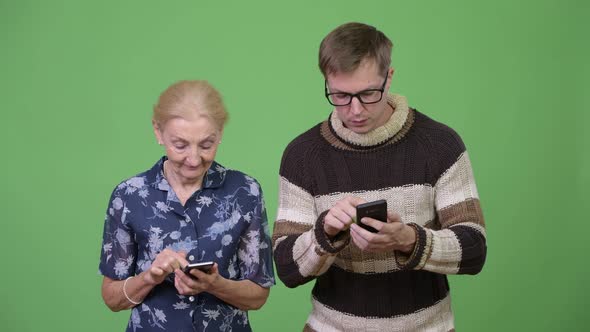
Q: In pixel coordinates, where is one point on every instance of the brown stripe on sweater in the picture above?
(286, 227)
(433, 224)
(466, 211)
(287, 268)
(333, 140)
(417, 159)
(308, 328)
(379, 295)
(473, 249)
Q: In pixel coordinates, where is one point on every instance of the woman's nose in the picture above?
(194, 158)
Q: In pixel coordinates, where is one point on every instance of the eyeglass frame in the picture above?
(357, 95)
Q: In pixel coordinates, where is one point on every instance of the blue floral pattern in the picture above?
(224, 222)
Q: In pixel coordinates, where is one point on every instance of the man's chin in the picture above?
(360, 130)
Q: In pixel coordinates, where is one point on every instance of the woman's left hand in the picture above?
(200, 281)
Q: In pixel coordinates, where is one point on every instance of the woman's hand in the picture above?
(199, 282)
(165, 263)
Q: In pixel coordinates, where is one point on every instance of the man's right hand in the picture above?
(341, 215)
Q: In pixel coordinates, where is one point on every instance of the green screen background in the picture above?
(78, 80)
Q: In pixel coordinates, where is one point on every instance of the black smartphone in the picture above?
(376, 210)
(203, 266)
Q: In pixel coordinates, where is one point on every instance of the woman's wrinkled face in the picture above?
(191, 145)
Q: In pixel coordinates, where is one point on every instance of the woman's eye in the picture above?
(180, 147)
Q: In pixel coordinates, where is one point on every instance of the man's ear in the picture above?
(390, 73)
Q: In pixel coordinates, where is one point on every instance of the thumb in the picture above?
(393, 217)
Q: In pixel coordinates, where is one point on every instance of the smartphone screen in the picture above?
(376, 210)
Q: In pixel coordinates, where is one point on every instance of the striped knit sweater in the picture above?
(422, 169)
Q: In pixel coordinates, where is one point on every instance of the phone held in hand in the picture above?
(203, 266)
(376, 210)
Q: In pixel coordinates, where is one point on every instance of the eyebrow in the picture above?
(210, 137)
(340, 91)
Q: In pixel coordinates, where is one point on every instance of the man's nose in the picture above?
(356, 107)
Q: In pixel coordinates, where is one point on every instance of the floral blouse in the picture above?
(224, 222)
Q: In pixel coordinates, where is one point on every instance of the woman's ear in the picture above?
(157, 132)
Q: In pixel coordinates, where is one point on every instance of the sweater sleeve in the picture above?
(302, 251)
(459, 246)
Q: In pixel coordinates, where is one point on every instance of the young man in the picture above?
(373, 146)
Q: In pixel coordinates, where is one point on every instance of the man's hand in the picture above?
(393, 235)
(341, 215)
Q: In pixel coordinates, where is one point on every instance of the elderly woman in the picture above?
(186, 209)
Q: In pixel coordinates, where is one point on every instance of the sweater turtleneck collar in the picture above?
(378, 135)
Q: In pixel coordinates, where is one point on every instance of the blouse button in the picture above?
(191, 258)
(191, 298)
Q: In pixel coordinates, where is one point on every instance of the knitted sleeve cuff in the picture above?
(422, 249)
(330, 246)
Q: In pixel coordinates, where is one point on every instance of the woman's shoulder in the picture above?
(234, 178)
(140, 182)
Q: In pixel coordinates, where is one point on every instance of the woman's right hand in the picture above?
(165, 263)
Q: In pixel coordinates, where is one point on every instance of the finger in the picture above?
(393, 217)
(198, 274)
(358, 239)
(157, 274)
(354, 201)
(180, 260)
(154, 270)
(186, 280)
(376, 224)
(338, 219)
(214, 269)
(362, 233)
(339, 213)
(349, 208)
(180, 286)
(168, 265)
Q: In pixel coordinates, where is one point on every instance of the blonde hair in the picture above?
(343, 49)
(185, 99)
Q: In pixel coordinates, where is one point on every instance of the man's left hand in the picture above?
(392, 235)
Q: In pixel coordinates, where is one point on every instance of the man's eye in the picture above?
(180, 147)
(368, 93)
(340, 96)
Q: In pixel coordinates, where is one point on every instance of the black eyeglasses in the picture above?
(369, 96)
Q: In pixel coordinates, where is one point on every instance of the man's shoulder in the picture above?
(306, 140)
(435, 132)
(429, 125)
